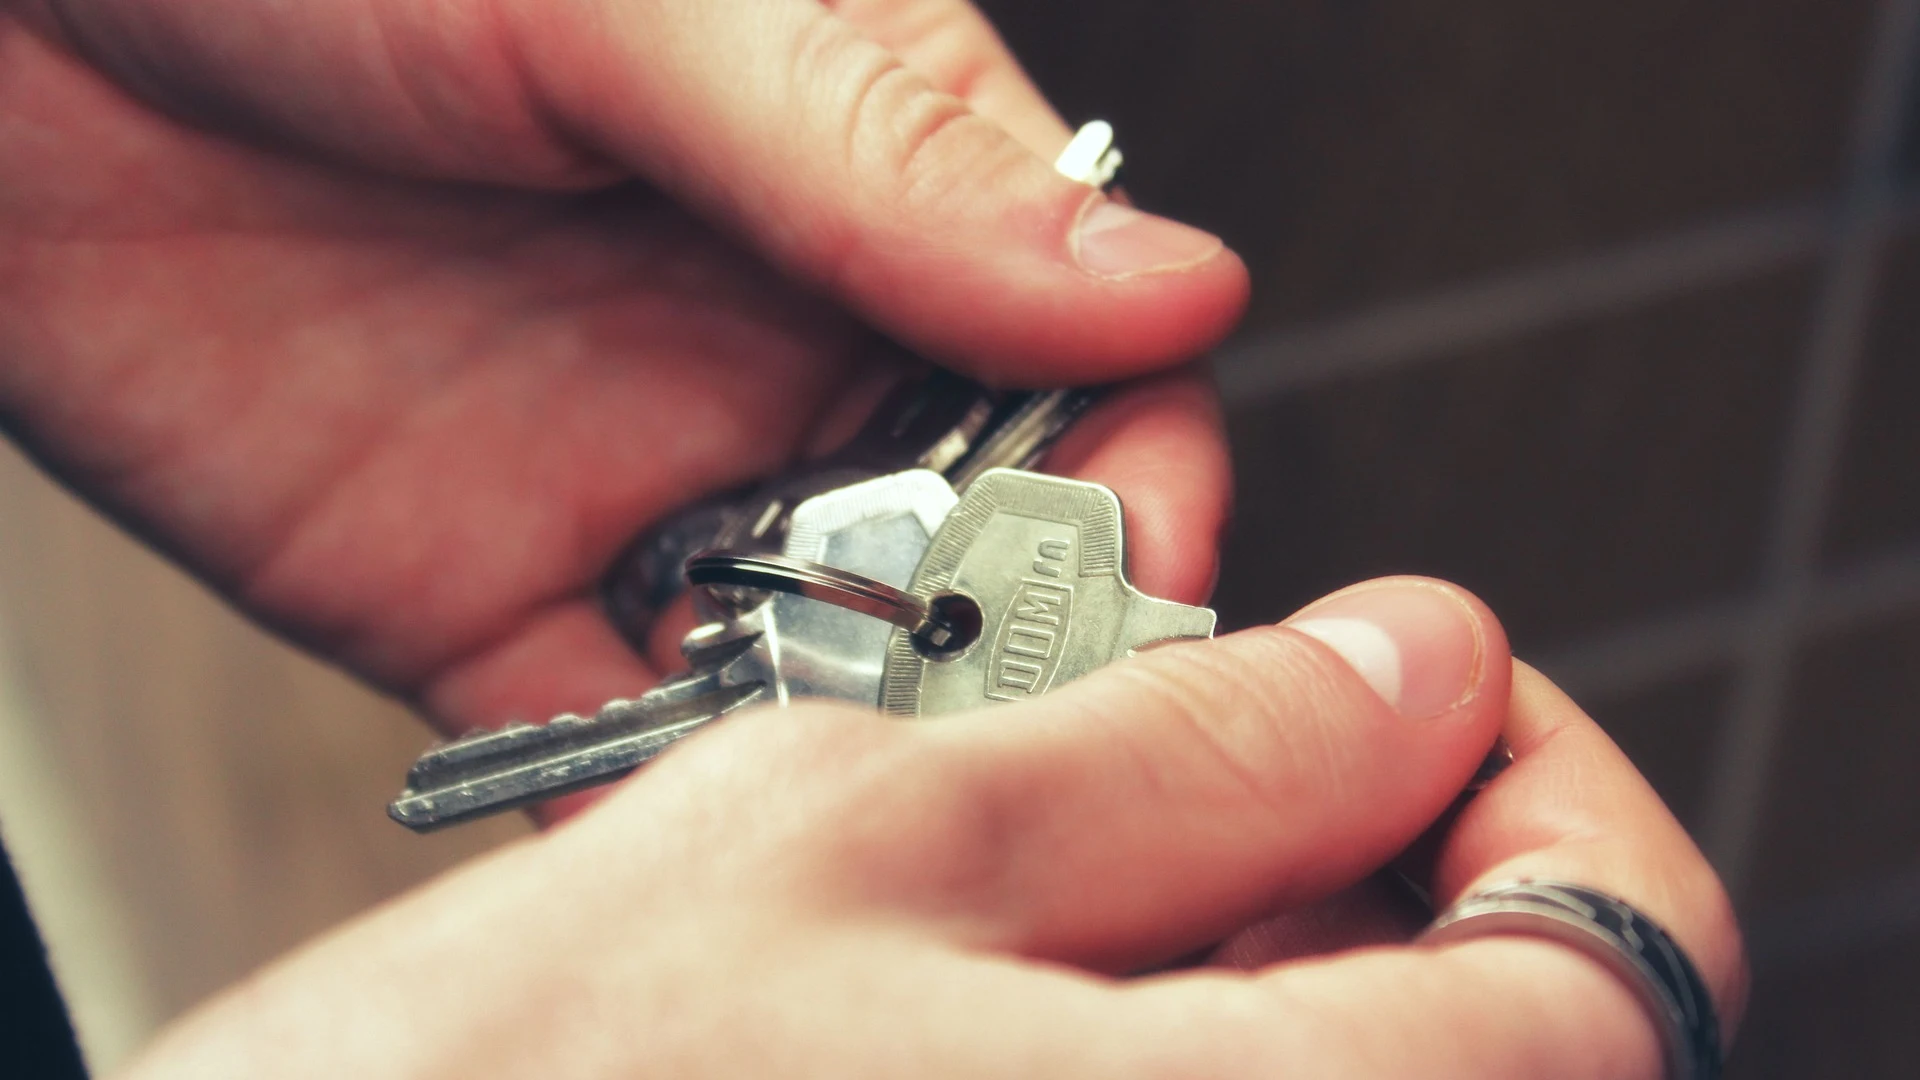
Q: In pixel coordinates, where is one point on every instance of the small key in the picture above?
(1038, 564)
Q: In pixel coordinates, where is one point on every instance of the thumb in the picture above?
(1159, 804)
(780, 121)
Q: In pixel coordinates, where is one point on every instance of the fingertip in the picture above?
(1427, 647)
(1114, 240)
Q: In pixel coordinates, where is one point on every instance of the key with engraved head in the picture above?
(1033, 567)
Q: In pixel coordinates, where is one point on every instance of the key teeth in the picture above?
(479, 751)
(482, 784)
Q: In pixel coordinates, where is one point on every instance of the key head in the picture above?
(1042, 561)
(878, 529)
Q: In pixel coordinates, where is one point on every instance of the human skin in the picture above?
(823, 892)
(394, 320)
(402, 380)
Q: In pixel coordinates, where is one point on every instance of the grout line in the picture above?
(1656, 650)
(1393, 334)
(1839, 325)
(1841, 921)
(1864, 592)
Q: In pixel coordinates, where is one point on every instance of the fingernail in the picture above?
(1416, 644)
(1117, 241)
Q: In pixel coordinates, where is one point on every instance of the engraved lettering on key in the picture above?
(1034, 629)
(1052, 554)
(1044, 559)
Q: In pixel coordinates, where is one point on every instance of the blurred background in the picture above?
(1610, 312)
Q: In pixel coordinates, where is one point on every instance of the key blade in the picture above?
(1151, 621)
(1043, 558)
(491, 771)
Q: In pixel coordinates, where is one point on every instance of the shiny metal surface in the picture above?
(1044, 559)
(878, 529)
(1613, 932)
(790, 647)
(490, 771)
(815, 581)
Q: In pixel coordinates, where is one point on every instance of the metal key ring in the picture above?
(818, 581)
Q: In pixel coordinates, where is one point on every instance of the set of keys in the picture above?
(921, 570)
(896, 593)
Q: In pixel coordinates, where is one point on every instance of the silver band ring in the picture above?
(818, 581)
(1609, 930)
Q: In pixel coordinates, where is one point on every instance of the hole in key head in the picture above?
(962, 616)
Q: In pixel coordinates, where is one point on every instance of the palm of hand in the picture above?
(322, 388)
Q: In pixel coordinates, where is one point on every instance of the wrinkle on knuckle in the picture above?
(917, 160)
(910, 138)
(906, 141)
(946, 40)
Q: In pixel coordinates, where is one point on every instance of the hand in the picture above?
(820, 892)
(395, 319)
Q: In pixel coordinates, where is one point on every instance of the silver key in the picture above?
(491, 771)
(1039, 564)
(877, 529)
(787, 648)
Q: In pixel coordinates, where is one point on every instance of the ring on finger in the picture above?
(1611, 931)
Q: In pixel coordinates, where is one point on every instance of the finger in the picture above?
(775, 118)
(1191, 790)
(1571, 808)
(1149, 808)
(783, 122)
(953, 46)
(1159, 444)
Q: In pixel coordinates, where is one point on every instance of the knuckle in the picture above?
(915, 142)
(904, 140)
(947, 40)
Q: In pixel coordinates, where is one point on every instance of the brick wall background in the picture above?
(1610, 312)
